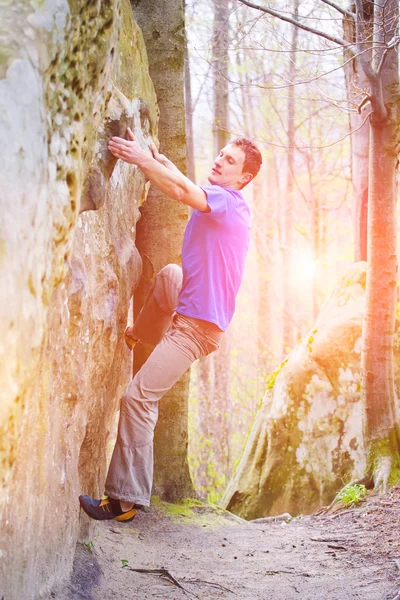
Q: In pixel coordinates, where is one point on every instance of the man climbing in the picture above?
(186, 311)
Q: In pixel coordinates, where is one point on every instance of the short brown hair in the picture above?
(253, 159)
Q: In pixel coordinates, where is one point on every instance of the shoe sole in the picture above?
(127, 516)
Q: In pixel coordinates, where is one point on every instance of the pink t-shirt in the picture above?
(213, 254)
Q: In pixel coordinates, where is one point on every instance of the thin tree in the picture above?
(214, 370)
(287, 205)
(221, 136)
(356, 84)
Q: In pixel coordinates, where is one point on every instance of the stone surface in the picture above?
(307, 440)
(72, 73)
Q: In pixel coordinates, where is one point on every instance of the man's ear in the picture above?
(245, 178)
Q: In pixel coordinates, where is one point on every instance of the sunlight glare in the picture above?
(305, 267)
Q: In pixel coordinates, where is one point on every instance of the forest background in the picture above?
(301, 98)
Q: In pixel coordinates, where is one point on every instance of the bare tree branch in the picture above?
(343, 11)
(392, 44)
(290, 83)
(364, 101)
(262, 140)
(278, 15)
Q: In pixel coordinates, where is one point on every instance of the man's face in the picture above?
(227, 170)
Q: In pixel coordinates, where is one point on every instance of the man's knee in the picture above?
(167, 287)
(172, 272)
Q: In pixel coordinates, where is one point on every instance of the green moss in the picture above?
(394, 477)
(192, 511)
(377, 449)
(387, 446)
(182, 509)
(272, 378)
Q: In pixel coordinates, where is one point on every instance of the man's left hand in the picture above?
(127, 150)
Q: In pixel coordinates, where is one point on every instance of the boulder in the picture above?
(307, 440)
(73, 73)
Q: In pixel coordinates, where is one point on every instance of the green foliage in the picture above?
(125, 562)
(89, 545)
(352, 494)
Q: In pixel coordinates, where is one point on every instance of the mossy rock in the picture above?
(307, 437)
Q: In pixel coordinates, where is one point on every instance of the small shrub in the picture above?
(352, 494)
(89, 545)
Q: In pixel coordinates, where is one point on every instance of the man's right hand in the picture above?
(127, 150)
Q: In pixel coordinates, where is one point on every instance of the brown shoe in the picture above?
(130, 341)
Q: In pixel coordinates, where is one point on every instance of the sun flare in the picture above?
(305, 267)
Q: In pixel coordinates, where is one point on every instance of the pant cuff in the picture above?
(126, 497)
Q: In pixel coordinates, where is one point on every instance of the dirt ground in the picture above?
(213, 555)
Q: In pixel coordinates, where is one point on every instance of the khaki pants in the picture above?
(179, 342)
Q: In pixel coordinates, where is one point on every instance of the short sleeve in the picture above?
(218, 199)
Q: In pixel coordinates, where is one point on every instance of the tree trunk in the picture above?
(214, 370)
(222, 401)
(220, 65)
(356, 82)
(264, 210)
(377, 384)
(189, 116)
(289, 334)
(315, 236)
(160, 230)
(379, 325)
(222, 405)
(264, 233)
(205, 433)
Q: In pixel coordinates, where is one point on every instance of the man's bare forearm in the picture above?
(163, 160)
(168, 180)
(168, 164)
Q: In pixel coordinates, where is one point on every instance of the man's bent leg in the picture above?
(130, 475)
(158, 308)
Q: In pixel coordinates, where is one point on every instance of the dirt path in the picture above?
(213, 555)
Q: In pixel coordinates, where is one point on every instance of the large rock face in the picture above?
(307, 438)
(72, 73)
